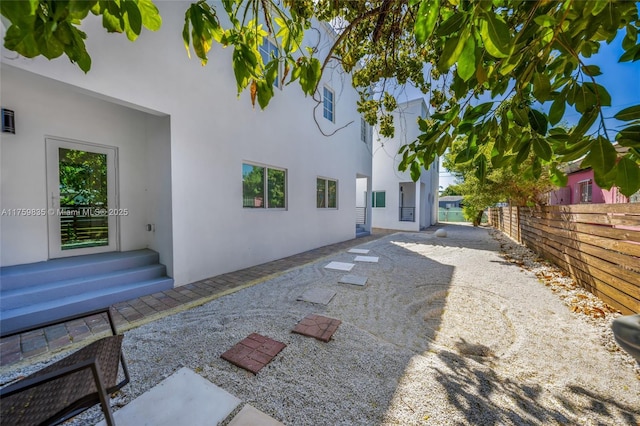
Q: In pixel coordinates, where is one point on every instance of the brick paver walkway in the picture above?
(136, 312)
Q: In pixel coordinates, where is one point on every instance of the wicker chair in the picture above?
(69, 386)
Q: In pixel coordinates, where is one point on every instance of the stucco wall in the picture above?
(573, 181)
(386, 176)
(211, 133)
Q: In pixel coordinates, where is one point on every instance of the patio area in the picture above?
(441, 331)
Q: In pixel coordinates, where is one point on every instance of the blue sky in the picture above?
(622, 81)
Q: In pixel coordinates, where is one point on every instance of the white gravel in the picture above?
(446, 331)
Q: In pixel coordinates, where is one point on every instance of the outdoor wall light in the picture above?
(8, 121)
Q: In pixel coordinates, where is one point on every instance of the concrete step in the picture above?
(28, 315)
(46, 291)
(34, 294)
(20, 276)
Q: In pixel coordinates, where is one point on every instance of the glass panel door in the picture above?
(81, 183)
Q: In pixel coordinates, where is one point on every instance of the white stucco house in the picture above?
(190, 172)
(398, 202)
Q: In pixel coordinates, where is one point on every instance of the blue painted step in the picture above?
(20, 276)
(16, 319)
(46, 291)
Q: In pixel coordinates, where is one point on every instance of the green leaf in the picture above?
(541, 86)
(545, 21)
(602, 156)
(557, 177)
(628, 114)
(19, 12)
(415, 171)
(600, 93)
(481, 168)
(538, 121)
(631, 54)
(629, 137)
(21, 40)
(467, 60)
(452, 50)
(151, 18)
(556, 112)
(477, 111)
(426, 20)
(627, 176)
(585, 122)
(495, 35)
(451, 25)
(542, 148)
(523, 152)
(133, 19)
(592, 70)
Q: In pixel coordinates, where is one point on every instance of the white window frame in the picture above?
(329, 106)
(326, 193)
(272, 47)
(265, 190)
(587, 183)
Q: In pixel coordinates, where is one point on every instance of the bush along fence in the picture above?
(597, 244)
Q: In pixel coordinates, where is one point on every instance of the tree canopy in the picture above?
(499, 72)
(495, 185)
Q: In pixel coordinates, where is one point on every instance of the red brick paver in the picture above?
(253, 352)
(322, 328)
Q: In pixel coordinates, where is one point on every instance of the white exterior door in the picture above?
(82, 198)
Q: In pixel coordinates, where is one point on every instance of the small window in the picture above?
(363, 130)
(269, 51)
(586, 189)
(263, 187)
(328, 104)
(378, 199)
(326, 193)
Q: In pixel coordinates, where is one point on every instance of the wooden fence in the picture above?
(598, 244)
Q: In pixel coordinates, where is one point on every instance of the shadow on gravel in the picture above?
(472, 390)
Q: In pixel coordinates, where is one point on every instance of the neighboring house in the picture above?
(187, 169)
(397, 201)
(582, 189)
(450, 202)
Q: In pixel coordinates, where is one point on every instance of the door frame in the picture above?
(52, 145)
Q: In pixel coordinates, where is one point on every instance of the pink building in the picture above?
(582, 189)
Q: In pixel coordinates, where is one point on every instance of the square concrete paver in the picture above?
(353, 279)
(317, 295)
(251, 416)
(371, 259)
(340, 266)
(358, 251)
(317, 326)
(182, 397)
(253, 352)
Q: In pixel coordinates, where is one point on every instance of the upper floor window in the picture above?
(269, 51)
(363, 130)
(326, 193)
(586, 189)
(263, 187)
(328, 104)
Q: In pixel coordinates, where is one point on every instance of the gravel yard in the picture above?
(467, 329)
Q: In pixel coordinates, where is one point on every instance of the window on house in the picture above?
(263, 187)
(326, 193)
(585, 191)
(378, 199)
(363, 130)
(328, 105)
(269, 51)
